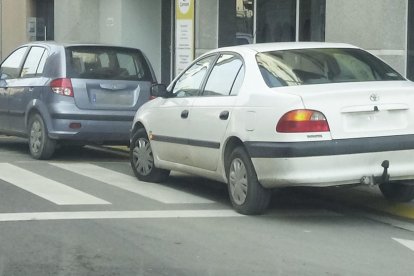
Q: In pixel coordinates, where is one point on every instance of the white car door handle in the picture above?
(224, 115)
(184, 114)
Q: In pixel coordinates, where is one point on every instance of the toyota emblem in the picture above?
(374, 97)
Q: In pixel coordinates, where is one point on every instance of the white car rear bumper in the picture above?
(328, 164)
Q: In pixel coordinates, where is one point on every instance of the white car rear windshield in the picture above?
(110, 63)
(324, 65)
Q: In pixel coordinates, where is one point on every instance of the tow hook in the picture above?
(375, 180)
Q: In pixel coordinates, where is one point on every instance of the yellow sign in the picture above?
(184, 9)
(184, 34)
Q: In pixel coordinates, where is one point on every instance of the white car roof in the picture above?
(275, 46)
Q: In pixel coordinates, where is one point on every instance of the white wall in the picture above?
(141, 28)
(376, 25)
(77, 21)
(110, 22)
(132, 23)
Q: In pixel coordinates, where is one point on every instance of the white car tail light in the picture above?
(302, 120)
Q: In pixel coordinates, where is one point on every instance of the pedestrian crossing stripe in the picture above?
(46, 188)
(155, 214)
(129, 183)
(61, 194)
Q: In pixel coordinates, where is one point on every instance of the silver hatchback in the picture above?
(72, 93)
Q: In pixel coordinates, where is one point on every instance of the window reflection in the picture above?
(317, 66)
(276, 20)
(189, 83)
(223, 75)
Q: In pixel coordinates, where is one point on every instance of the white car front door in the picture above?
(169, 125)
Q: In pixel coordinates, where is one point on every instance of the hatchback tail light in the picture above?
(302, 120)
(62, 86)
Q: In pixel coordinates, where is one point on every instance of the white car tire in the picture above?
(142, 160)
(247, 195)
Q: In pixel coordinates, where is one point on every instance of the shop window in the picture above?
(312, 20)
(236, 22)
(275, 21)
(43, 24)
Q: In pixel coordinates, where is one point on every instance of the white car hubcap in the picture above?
(238, 181)
(142, 157)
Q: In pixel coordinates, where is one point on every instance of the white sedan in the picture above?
(273, 115)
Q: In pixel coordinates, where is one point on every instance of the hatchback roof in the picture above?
(70, 44)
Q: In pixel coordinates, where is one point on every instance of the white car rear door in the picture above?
(212, 111)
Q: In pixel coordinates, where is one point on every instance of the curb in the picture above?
(124, 149)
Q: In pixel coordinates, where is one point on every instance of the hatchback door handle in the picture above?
(184, 114)
(224, 115)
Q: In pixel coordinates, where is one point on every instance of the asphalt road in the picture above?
(83, 213)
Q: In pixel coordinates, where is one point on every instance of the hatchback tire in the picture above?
(142, 159)
(247, 195)
(40, 145)
(396, 191)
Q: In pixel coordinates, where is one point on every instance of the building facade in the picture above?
(384, 27)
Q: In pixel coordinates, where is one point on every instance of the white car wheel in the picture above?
(246, 193)
(142, 159)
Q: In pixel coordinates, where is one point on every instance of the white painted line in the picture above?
(118, 215)
(46, 188)
(129, 183)
(406, 243)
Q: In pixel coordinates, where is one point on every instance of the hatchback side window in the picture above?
(11, 66)
(42, 63)
(223, 76)
(189, 83)
(32, 63)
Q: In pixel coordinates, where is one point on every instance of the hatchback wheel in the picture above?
(246, 193)
(142, 159)
(40, 145)
(397, 191)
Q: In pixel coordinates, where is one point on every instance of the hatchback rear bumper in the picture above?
(91, 131)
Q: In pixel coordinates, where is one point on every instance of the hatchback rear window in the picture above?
(325, 65)
(110, 63)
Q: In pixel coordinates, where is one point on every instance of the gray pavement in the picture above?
(137, 232)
